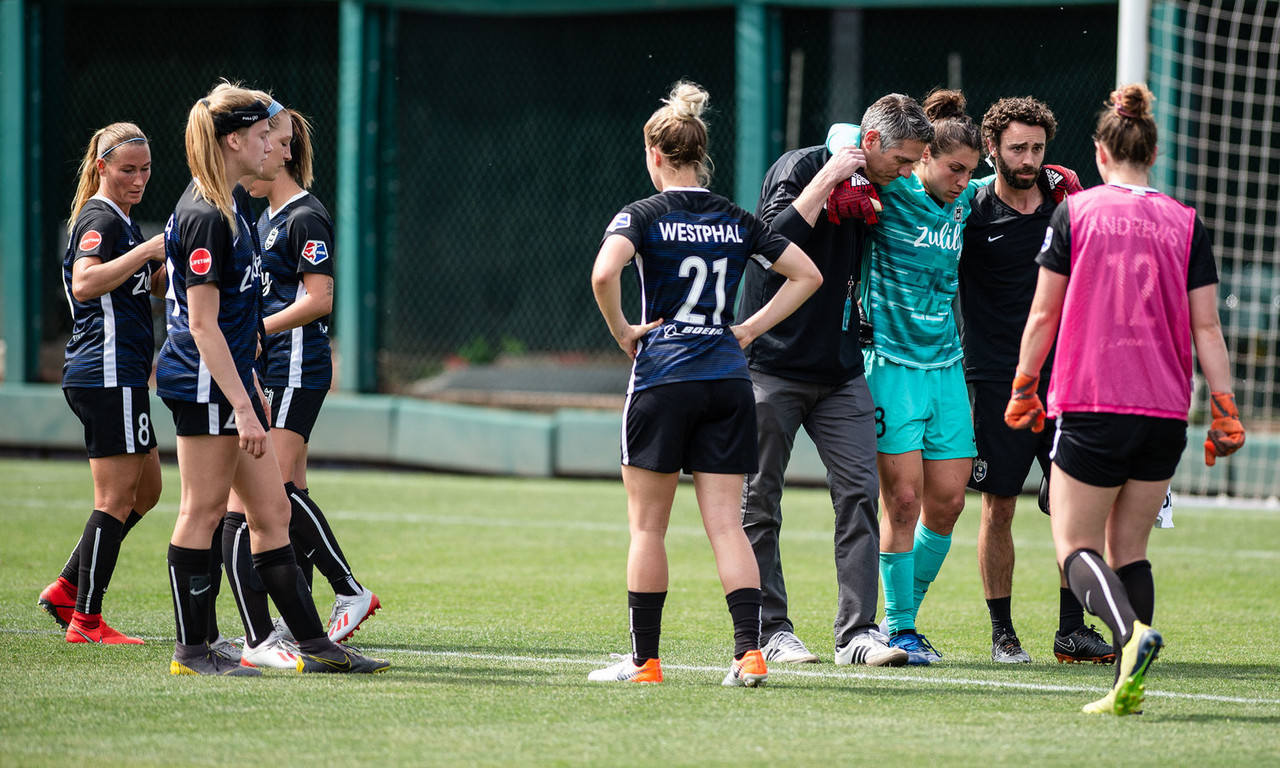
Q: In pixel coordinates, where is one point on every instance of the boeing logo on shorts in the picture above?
(671, 331)
(699, 233)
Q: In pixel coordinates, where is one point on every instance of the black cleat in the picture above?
(340, 659)
(1083, 645)
(211, 664)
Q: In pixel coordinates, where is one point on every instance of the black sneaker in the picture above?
(211, 664)
(340, 658)
(1006, 649)
(1083, 645)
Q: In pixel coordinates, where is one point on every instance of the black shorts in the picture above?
(213, 418)
(295, 409)
(1004, 453)
(117, 420)
(1106, 449)
(697, 426)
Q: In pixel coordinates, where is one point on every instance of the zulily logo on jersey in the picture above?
(315, 251)
(949, 238)
(699, 233)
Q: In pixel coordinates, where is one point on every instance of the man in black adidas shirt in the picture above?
(998, 274)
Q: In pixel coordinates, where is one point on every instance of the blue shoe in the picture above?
(929, 650)
(911, 643)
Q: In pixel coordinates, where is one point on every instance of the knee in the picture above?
(902, 508)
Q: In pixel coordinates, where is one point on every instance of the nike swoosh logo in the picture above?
(309, 554)
(993, 239)
(343, 665)
(1069, 646)
(196, 592)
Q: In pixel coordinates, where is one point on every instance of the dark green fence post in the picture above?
(358, 80)
(19, 232)
(753, 50)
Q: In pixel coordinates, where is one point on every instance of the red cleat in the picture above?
(59, 601)
(92, 629)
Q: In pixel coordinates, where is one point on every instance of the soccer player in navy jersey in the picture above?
(109, 273)
(207, 379)
(296, 239)
(689, 404)
(997, 280)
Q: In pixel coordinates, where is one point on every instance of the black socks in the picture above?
(189, 585)
(71, 571)
(1141, 587)
(246, 587)
(283, 580)
(645, 612)
(1101, 593)
(744, 607)
(314, 540)
(1000, 609)
(99, 548)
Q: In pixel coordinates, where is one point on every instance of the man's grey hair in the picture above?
(898, 118)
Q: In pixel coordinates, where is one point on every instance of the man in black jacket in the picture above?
(808, 372)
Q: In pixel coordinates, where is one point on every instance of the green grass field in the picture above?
(501, 594)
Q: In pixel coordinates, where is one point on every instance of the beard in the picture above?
(1010, 174)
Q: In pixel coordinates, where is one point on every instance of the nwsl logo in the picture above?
(315, 251)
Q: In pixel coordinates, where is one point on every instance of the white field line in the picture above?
(889, 676)
(486, 521)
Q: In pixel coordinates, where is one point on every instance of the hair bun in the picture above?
(1132, 101)
(943, 104)
(687, 100)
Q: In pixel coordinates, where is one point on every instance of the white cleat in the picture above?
(273, 653)
(786, 648)
(872, 649)
(349, 612)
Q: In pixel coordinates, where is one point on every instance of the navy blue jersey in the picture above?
(692, 247)
(200, 248)
(111, 337)
(296, 239)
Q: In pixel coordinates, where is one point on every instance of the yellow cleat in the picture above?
(1126, 696)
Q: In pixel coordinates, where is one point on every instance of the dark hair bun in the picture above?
(943, 104)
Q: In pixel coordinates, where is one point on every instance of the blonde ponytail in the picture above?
(101, 145)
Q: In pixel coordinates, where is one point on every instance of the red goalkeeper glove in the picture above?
(1226, 433)
(854, 198)
(1062, 181)
(1025, 409)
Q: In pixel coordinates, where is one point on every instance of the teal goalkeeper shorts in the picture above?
(920, 409)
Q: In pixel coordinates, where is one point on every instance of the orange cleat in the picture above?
(626, 671)
(749, 671)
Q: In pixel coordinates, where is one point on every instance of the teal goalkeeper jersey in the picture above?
(910, 281)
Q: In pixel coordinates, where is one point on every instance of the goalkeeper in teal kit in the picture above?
(925, 440)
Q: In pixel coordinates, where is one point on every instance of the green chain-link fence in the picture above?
(514, 139)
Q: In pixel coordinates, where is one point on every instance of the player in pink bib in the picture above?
(1127, 284)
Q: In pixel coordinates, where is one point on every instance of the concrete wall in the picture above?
(570, 442)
